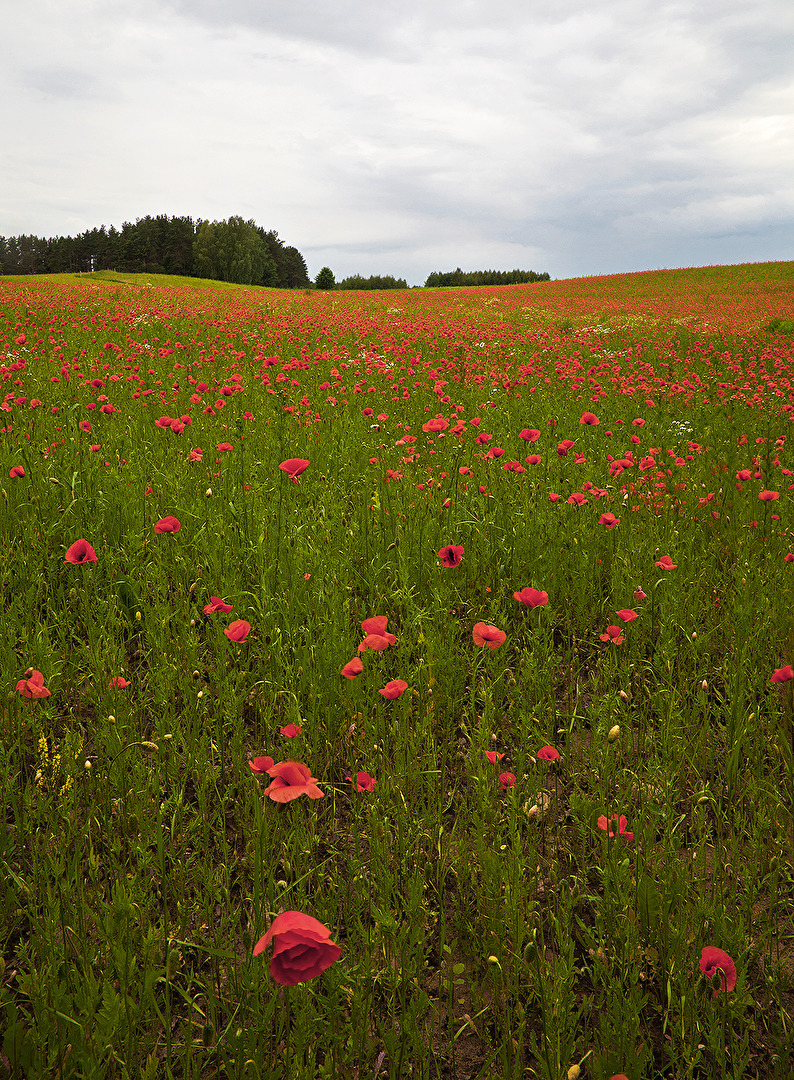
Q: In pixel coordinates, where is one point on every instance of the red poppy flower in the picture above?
(261, 764)
(291, 731)
(451, 555)
(789, 557)
(238, 630)
(768, 496)
(118, 682)
(490, 636)
(378, 642)
(626, 614)
(548, 753)
(32, 686)
(533, 459)
(436, 424)
(531, 597)
(666, 563)
(291, 779)
(783, 674)
(293, 467)
(80, 552)
(613, 633)
(589, 418)
(609, 520)
(506, 780)
(216, 605)
(364, 782)
(554, 497)
(375, 624)
(17, 471)
(352, 668)
(302, 948)
(639, 594)
(529, 434)
(167, 525)
(493, 756)
(564, 446)
(714, 960)
(616, 826)
(196, 454)
(393, 689)
(224, 447)
(577, 499)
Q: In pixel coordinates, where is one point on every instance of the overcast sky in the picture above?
(384, 137)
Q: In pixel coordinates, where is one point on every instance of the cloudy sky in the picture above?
(572, 136)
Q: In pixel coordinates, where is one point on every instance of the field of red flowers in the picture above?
(500, 579)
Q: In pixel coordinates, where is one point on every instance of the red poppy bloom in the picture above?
(768, 496)
(616, 826)
(533, 459)
(666, 563)
(609, 520)
(376, 624)
(789, 557)
(783, 674)
(291, 731)
(506, 780)
(626, 614)
(32, 686)
(714, 960)
(393, 689)
(291, 779)
(493, 756)
(529, 434)
(302, 948)
(613, 633)
(378, 642)
(17, 471)
(293, 467)
(215, 605)
(531, 597)
(589, 418)
(261, 764)
(490, 636)
(548, 753)
(167, 525)
(577, 499)
(352, 668)
(80, 552)
(436, 424)
(238, 630)
(554, 497)
(118, 682)
(196, 454)
(364, 782)
(564, 446)
(639, 594)
(451, 555)
(224, 447)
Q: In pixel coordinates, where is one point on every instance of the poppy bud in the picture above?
(704, 685)
(614, 733)
(574, 1072)
(623, 695)
(87, 766)
(694, 634)
(111, 719)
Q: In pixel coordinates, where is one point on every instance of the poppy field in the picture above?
(398, 684)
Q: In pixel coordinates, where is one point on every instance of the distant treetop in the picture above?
(439, 279)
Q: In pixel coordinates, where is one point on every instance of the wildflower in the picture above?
(216, 605)
(589, 418)
(376, 624)
(436, 424)
(783, 674)
(531, 597)
(639, 594)
(451, 555)
(609, 521)
(529, 435)
(291, 779)
(16, 471)
(352, 668)
(32, 686)
(616, 826)
(613, 633)
(378, 642)
(577, 499)
(364, 782)
(490, 636)
(167, 525)
(493, 756)
(554, 497)
(223, 447)
(768, 496)
(302, 948)
(80, 552)
(393, 689)
(238, 630)
(564, 446)
(261, 764)
(291, 731)
(118, 682)
(293, 467)
(626, 614)
(714, 960)
(666, 563)
(506, 780)
(547, 753)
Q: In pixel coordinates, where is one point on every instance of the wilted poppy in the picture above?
(80, 552)
(364, 782)
(118, 682)
(548, 753)
(506, 780)
(490, 636)
(238, 630)
(666, 563)
(783, 674)
(451, 555)
(714, 960)
(302, 948)
(352, 668)
(32, 686)
(293, 467)
(216, 605)
(261, 764)
(493, 756)
(615, 826)
(291, 779)
(291, 731)
(393, 689)
(167, 525)
(531, 597)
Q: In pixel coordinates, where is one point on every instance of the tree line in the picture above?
(483, 277)
(233, 250)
